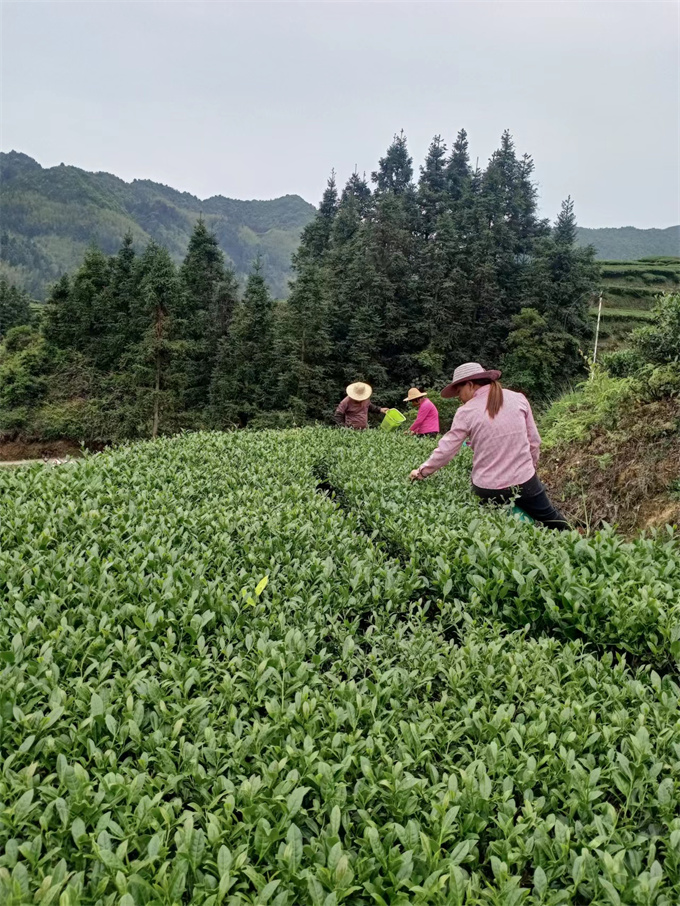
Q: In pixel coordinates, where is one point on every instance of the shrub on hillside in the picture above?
(661, 381)
(622, 363)
(22, 368)
(659, 342)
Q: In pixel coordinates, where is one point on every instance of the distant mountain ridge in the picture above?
(49, 216)
(630, 243)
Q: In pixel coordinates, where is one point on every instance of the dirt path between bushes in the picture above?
(7, 463)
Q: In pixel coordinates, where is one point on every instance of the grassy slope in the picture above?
(51, 215)
(611, 457)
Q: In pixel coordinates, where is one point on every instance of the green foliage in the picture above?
(15, 307)
(623, 363)
(598, 401)
(209, 294)
(659, 342)
(129, 347)
(630, 290)
(654, 358)
(51, 215)
(217, 686)
(660, 382)
(244, 382)
(394, 286)
(415, 279)
(23, 367)
(540, 360)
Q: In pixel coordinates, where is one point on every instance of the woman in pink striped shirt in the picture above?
(501, 430)
(427, 420)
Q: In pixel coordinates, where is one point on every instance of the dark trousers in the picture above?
(531, 498)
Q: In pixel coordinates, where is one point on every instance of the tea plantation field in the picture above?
(265, 669)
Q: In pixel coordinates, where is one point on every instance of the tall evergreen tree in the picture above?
(78, 310)
(395, 171)
(150, 361)
(390, 260)
(457, 171)
(15, 307)
(304, 350)
(245, 377)
(354, 207)
(57, 324)
(316, 235)
(124, 282)
(564, 278)
(432, 187)
(209, 293)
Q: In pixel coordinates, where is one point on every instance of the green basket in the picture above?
(393, 418)
(522, 515)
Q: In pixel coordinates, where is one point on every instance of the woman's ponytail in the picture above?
(494, 402)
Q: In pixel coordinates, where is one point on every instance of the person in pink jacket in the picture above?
(427, 420)
(501, 430)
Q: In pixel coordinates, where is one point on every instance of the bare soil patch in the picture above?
(19, 450)
(629, 477)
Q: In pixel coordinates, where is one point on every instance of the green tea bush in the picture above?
(602, 589)
(223, 681)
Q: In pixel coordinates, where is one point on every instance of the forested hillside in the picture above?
(51, 215)
(628, 243)
(395, 284)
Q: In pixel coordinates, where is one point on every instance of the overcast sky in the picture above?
(260, 99)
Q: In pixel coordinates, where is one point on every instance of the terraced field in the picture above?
(264, 668)
(630, 289)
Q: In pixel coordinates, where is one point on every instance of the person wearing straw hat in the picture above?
(501, 430)
(427, 420)
(353, 410)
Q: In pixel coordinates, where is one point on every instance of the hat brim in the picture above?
(359, 397)
(450, 390)
(409, 399)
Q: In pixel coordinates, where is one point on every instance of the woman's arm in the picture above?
(533, 435)
(447, 448)
(419, 420)
(340, 412)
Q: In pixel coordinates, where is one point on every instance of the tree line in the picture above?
(395, 282)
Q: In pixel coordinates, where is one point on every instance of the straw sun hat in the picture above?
(359, 391)
(413, 394)
(470, 371)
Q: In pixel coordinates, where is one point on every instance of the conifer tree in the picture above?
(316, 235)
(432, 187)
(123, 291)
(15, 307)
(77, 311)
(245, 377)
(395, 171)
(304, 349)
(209, 293)
(390, 262)
(150, 361)
(457, 171)
(56, 323)
(564, 278)
(353, 209)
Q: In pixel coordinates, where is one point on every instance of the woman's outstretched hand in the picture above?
(415, 475)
